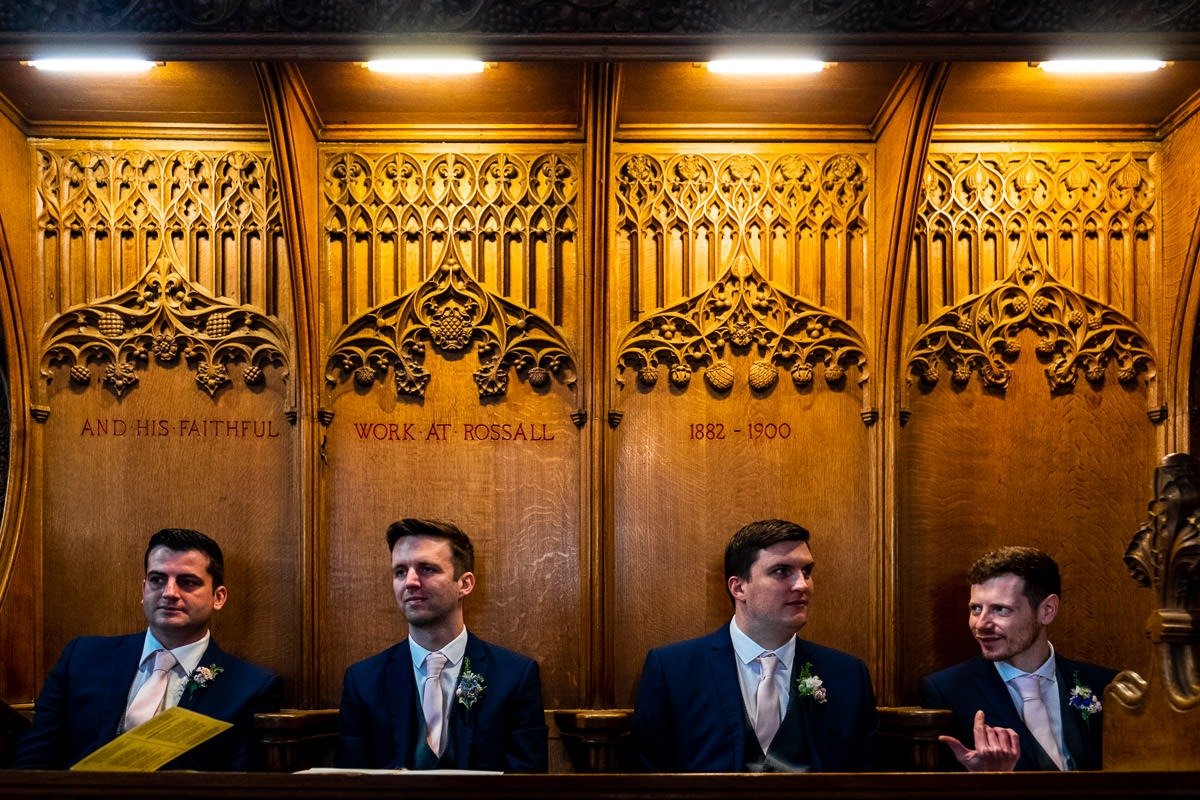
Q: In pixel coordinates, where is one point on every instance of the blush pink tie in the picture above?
(766, 714)
(151, 696)
(1036, 717)
(432, 701)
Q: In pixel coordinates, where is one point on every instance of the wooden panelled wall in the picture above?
(599, 357)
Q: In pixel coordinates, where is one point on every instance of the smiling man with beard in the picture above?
(103, 686)
(1024, 705)
(443, 698)
(751, 696)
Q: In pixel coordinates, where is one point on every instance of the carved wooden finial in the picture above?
(1153, 723)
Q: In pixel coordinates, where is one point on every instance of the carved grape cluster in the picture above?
(111, 325)
(450, 329)
(218, 325)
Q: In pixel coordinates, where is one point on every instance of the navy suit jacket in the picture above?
(82, 704)
(975, 684)
(690, 717)
(504, 730)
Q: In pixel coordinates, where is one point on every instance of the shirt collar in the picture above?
(1047, 670)
(453, 651)
(747, 649)
(187, 655)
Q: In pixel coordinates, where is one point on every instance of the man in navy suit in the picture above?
(442, 698)
(1022, 704)
(95, 691)
(751, 696)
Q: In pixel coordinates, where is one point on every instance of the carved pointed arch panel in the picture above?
(741, 255)
(452, 297)
(1031, 324)
(156, 257)
(739, 292)
(164, 319)
(165, 336)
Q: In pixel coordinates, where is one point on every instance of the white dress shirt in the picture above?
(1050, 697)
(188, 656)
(454, 652)
(749, 670)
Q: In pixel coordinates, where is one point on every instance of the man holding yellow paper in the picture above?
(103, 686)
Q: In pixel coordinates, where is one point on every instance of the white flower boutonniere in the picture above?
(470, 686)
(810, 685)
(1084, 700)
(201, 677)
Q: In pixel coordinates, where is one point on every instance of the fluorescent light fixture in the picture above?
(766, 66)
(1100, 66)
(108, 66)
(426, 66)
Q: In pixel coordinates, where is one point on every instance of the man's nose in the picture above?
(801, 581)
(412, 578)
(170, 588)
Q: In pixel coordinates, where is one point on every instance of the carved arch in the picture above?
(163, 317)
(742, 313)
(451, 311)
(1077, 334)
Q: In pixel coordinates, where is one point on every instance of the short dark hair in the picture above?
(462, 552)
(1038, 570)
(744, 545)
(183, 539)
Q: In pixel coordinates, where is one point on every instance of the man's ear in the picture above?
(1048, 610)
(466, 583)
(737, 587)
(220, 595)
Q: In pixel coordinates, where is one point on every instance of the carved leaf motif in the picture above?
(1165, 553)
(739, 313)
(162, 315)
(451, 311)
(1077, 334)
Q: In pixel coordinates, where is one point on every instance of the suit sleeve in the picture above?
(44, 746)
(653, 726)
(931, 695)
(353, 747)
(868, 722)
(527, 746)
(244, 754)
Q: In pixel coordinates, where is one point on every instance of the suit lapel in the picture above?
(120, 674)
(729, 694)
(197, 698)
(1073, 724)
(808, 711)
(462, 719)
(400, 691)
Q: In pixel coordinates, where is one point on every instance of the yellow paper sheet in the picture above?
(153, 743)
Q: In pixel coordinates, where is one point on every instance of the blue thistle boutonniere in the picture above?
(1084, 700)
(201, 677)
(470, 686)
(810, 685)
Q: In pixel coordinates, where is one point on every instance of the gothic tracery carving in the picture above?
(741, 312)
(1076, 335)
(453, 312)
(741, 254)
(1058, 243)
(165, 318)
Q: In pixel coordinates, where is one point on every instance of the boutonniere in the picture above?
(201, 677)
(470, 686)
(809, 685)
(1084, 700)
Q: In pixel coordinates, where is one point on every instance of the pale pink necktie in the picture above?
(766, 715)
(1036, 717)
(150, 697)
(432, 701)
